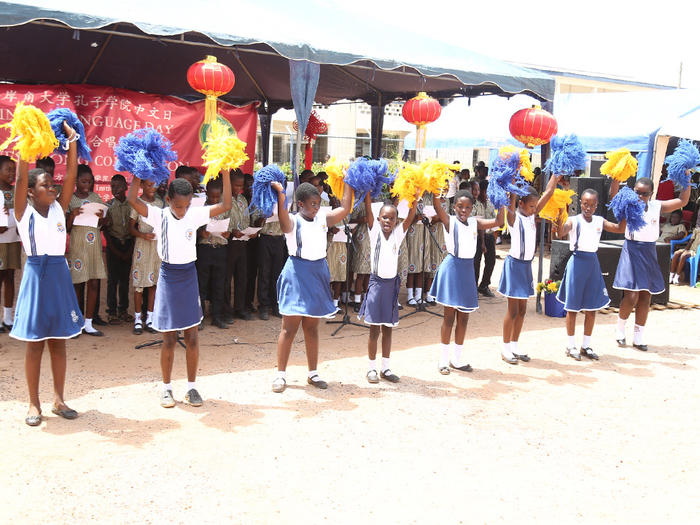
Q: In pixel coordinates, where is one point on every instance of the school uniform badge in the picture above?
(74, 316)
(60, 227)
(189, 233)
(78, 264)
(90, 237)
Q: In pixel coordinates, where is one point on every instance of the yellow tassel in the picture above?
(408, 181)
(336, 176)
(620, 166)
(437, 175)
(557, 205)
(31, 129)
(223, 151)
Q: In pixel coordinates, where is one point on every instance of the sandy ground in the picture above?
(552, 440)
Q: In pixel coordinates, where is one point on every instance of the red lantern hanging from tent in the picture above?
(420, 111)
(314, 128)
(533, 126)
(213, 79)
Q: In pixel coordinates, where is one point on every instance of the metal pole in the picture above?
(544, 155)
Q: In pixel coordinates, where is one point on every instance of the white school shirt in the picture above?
(585, 236)
(308, 239)
(384, 253)
(43, 235)
(523, 235)
(177, 238)
(650, 231)
(462, 236)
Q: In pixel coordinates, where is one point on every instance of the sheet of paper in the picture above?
(274, 217)
(218, 226)
(88, 215)
(246, 234)
(11, 235)
(3, 217)
(340, 236)
(429, 211)
(403, 209)
(198, 199)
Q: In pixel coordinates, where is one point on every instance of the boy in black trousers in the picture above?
(211, 259)
(120, 246)
(237, 256)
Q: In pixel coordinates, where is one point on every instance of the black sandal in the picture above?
(389, 376)
(523, 357)
(589, 353)
(65, 413)
(317, 382)
(463, 368)
(138, 328)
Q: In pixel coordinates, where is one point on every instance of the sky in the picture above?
(641, 40)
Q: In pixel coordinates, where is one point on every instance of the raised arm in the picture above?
(613, 227)
(548, 192)
(562, 230)
(408, 221)
(133, 197)
(285, 220)
(71, 169)
(441, 214)
(368, 210)
(676, 204)
(21, 188)
(496, 222)
(511, 210)
(226, 201)
(336, 215)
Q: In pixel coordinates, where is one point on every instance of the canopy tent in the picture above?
(133, 49)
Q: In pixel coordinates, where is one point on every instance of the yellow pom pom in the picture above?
(408, 181)
(620, 166)
(557, 205)
(223, 151)
(437, 175)
(31, 129)
(336, 175)
(526, 166)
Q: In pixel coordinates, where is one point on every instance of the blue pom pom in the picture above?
(367, 175)
(145, 153)
(264, 198)
(627, 205)
(685, 157)
(505, 178)
(568, 156)
(56, 119)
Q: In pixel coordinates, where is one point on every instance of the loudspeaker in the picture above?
(599, 184)
(559, 257)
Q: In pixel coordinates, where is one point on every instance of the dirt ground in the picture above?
(616, 440)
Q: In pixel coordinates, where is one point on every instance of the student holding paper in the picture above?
(85, 246)
(10, 247)
(237, 253)
(212, 244)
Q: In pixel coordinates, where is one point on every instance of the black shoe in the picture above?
(95, 333)
(356, 308)
(228, 319)
(98, 321)
(7, 327)
(219, 324)
(263, 314)
(317, 382)
(389, 376)
(621, 342)
(251, 308)
(523, 357)
(276, 313)
(589, 353)
(486, 292)
(643, 348)
(2, 331)
(243, 315)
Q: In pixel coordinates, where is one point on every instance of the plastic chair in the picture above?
(679, 241)
(691, 270)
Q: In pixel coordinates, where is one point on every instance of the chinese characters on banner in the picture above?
(108, 114)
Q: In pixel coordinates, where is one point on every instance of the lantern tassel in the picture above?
(210, 109)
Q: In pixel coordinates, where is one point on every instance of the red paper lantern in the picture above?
(420, 111)
(533, 126)
(212, 79)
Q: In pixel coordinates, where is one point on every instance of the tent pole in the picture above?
(265, 119)
(544, 155)
(377, 130)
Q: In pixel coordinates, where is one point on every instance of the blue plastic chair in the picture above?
(679, 241)
(691, 269)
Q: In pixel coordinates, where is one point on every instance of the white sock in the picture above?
(418, 294)
(149, 317)
(677, 279)
(586, 341)
(671, 277)
(621, 327)
(457, 353)
(514, 347)
(167, 386)
(444, 354)
(191, 385)
(429, 298)
(7, 314)
(358, 298)
(313, 373)
(372, 364)
(638, 334)
(572, 341)
(282, 374)
(335, 303)
(137, 317)
(88, 326)
(409, 294)
(385, 364)
(507, 351)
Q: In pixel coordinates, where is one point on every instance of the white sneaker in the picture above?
(677, 279)
(670, 279)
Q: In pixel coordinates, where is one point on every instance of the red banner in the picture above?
(108, 114)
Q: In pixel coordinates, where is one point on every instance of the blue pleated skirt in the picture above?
(454, 284)
(638, 268)
(303, 288)
(516, 279)
(582, 287)
(177, 305)
(47, 307)
(381, 304)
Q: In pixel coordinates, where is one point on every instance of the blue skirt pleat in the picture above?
(454, 284)
(177, 305)
(638, 268)
(582, 286)
(47, 307)
(516, 279)
(303, 288)
(381, 304)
